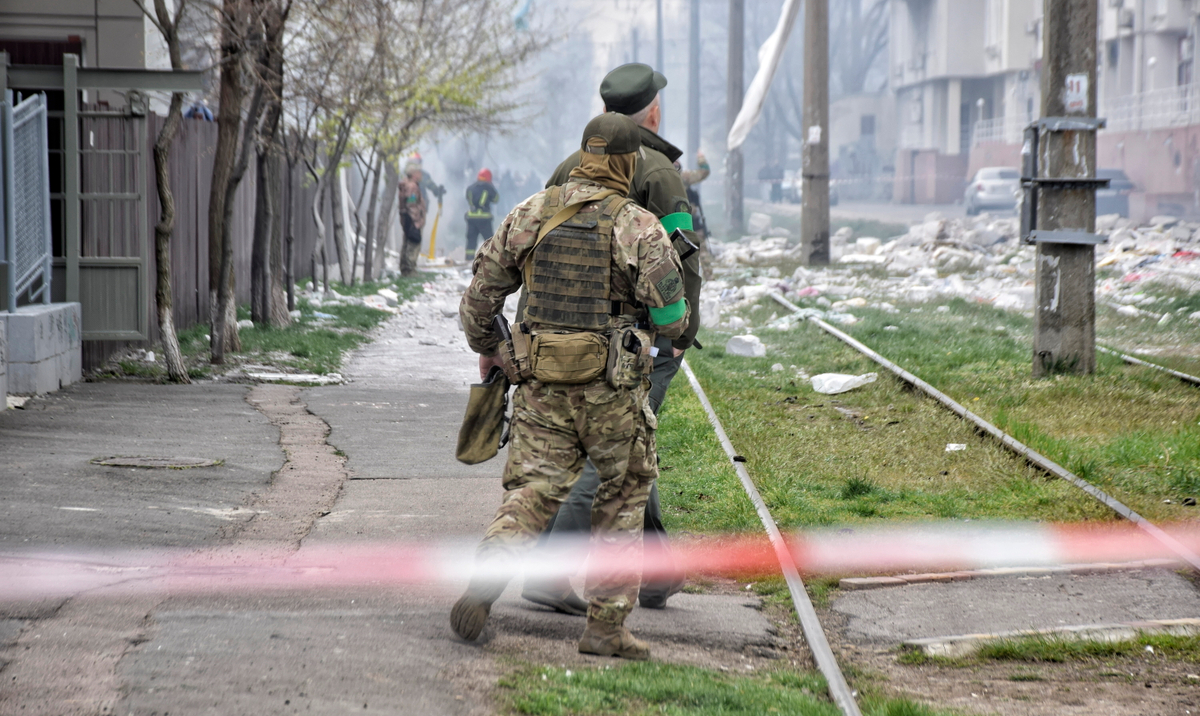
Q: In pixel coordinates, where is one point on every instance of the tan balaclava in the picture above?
(610, 147)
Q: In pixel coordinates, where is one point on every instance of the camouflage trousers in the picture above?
(555, 429)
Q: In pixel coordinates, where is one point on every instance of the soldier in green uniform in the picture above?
(632, 90)
(598, 269)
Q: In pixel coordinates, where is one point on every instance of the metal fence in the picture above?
(24, 145)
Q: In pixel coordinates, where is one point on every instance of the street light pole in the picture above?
(814, 219)
(1064, 329)
(735, 89)
(693, 136)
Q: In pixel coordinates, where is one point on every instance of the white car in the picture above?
(993, 188)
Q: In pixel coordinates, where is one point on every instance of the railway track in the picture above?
(839, 689)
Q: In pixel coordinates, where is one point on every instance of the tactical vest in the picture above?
(570, 281)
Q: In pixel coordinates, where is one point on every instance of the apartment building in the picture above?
(958, 67)
(1146, 85)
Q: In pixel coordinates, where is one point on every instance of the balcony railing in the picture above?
(1157, 109)
(998, 130)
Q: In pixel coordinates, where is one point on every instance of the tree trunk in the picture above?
(176, 370)
(278, 314)
(319, 247)
(339, 222)
(227, 300)
(229, 117)
(369, 236)
(390, 187)
(289, 273)
(264, 223)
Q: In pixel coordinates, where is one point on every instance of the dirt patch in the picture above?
(1119, 686)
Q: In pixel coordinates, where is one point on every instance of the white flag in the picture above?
(768, 61)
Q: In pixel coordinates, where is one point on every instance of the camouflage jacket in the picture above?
(412, 202)
(642, 258)
(658, 187)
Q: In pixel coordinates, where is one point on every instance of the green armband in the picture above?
(667, 315)
(678, 220)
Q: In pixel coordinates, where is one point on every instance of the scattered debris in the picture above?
(307, 378)
(748, 346)
(955, 447)
(834, 383)
(976, 258)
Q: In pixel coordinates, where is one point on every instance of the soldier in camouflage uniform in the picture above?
(557, 426)
(657, 186)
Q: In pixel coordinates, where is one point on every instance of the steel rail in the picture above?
(842, 695)
(1137, 361)
(1015, 446)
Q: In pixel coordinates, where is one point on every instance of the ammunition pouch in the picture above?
(515, 357)
(483, 430)
(629, 359)
(569, 358)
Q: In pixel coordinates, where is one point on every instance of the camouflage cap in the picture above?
(631, 88)
(619, 132)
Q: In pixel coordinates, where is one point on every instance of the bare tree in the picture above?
(266, 260)
(858, 43)
(168, 27)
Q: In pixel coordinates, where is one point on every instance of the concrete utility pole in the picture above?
(814, 221)
(693, 126)
(1064, 329)
(734, 178)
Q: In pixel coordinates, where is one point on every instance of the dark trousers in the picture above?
(410, 247)
(477, 229)
(575, 515)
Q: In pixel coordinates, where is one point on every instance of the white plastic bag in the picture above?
(834, 383)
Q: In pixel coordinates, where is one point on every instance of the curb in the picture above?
(954, 647)
(851, 584)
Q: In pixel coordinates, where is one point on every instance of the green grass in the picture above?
(1133, 431)
(637, 689)
(310, 344)
(1054, 650)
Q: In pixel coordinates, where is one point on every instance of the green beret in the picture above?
(620, 133)
(631, 88)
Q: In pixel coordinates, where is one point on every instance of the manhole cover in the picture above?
(177, 463)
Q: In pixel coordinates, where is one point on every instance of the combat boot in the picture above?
(605, 639)
(471, 610)
(560, 597)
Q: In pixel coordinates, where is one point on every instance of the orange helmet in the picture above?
(485, 174)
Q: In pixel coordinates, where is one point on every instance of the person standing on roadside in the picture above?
(412, 217)
(480, 197)
(604, 281)
(692, 177)
(632, 90)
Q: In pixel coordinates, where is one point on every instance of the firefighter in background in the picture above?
(480, 197)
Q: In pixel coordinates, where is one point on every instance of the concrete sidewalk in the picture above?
(365, 649)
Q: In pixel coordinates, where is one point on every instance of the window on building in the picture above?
(866, 125)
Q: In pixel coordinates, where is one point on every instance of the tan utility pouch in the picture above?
(515, 357)
(629, 359)
(570, 358)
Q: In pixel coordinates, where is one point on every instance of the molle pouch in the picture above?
(570, 358)
(514, 356)
(630, 357)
